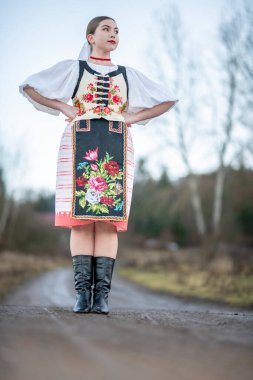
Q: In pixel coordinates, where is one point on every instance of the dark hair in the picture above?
(93, 24)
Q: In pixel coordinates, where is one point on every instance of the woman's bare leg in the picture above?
(82, 240)
(106, 240)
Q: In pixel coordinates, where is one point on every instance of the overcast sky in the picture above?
(37, 34)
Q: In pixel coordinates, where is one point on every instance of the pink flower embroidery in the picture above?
(98, 183)
(92, 155)
(94, 167)
(81, 112)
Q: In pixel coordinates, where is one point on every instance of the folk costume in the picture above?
(95, 167)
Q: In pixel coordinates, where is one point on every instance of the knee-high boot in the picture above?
(83, 276)
(103, 270)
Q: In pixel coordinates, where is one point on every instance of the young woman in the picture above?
(95, 167)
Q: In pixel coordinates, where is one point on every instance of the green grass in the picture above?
(236, 290)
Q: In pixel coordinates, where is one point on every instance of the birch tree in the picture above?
(246, 90)
(230, 32)
(177, 69)
(14, 166)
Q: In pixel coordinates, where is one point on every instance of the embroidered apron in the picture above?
(99, 143)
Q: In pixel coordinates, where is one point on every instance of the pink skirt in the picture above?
(64, 185)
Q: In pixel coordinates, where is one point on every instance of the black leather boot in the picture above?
(103, 269)
(83, 276)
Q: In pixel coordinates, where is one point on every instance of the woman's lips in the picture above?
(112, 42)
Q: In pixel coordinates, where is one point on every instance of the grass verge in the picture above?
(235, 290)
(16, 267)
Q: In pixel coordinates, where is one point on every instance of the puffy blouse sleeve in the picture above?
(145, 93)
(56, 82)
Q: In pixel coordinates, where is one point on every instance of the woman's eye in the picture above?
(108, 29)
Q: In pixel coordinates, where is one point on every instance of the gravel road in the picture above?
(146, 335)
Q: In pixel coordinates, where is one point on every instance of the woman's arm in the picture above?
(148, 113)
(65, 108)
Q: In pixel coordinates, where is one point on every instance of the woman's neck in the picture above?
(99, 63)
(102, 55)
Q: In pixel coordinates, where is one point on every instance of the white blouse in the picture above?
(59, 81)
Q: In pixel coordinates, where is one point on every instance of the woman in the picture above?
(95, 168)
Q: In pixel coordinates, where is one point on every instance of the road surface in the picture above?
(146, 335)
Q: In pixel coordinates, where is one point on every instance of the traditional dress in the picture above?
(95, 167)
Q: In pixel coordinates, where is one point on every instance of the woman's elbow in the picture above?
(168, 104)
(27, 88)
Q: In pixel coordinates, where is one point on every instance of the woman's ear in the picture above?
(90, 39)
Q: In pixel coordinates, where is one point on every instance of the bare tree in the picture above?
(14, 167)
(246, 90)
(177, 69)
(230, 33)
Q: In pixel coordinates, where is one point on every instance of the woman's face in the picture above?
(106, 31)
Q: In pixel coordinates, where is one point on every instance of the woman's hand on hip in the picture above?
(129, 118)
(70, 111)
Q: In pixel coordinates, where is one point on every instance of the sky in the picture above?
(37, 34)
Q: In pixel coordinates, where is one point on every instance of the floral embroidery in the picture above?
(92, 155)
(91, 85)
(100, 184)
(81, 107)
(89, 97)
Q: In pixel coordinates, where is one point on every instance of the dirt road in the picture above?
(145, 336)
